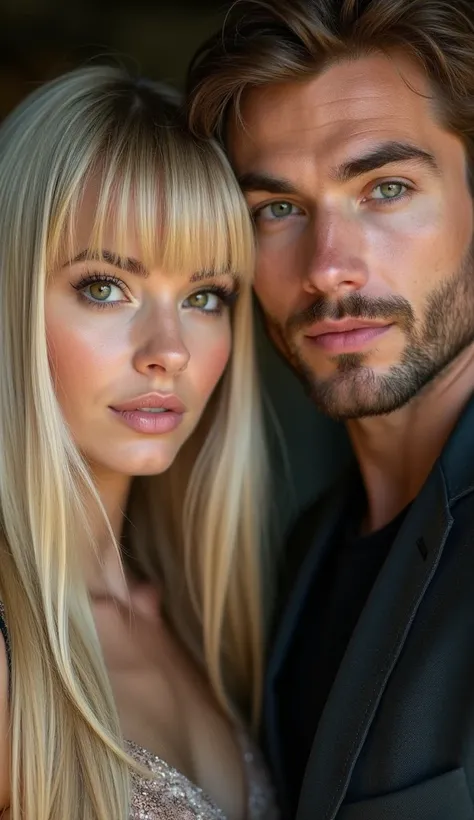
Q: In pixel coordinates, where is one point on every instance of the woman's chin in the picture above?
(136, 461)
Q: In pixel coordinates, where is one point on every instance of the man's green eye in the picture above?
(279, 209)
(390, 190)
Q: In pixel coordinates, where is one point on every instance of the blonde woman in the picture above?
(131, 464)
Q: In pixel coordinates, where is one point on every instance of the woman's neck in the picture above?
(104, 572)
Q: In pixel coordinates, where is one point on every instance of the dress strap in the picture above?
(4, 631)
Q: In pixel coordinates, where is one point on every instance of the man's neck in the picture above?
(397, 452)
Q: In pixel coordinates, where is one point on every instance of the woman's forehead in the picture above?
(178, 230)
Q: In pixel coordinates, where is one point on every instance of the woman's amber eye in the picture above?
(100, 291)
(198, 300)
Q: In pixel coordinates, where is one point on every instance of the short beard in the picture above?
(357, 391)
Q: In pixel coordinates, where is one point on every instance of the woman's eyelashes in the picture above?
(212, 299)
(104, 290)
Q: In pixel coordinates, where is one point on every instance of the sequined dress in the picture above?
(169, 795)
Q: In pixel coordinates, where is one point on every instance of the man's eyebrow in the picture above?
(256, 181)
(385, 154)
(382, 155)
(126, 263)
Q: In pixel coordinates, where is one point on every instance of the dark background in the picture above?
(40, 39)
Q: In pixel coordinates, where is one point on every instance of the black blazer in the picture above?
(396, 738)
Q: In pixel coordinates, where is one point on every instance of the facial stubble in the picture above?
(356, 390)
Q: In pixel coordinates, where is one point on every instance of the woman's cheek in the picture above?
(211, 362)
(80, 365)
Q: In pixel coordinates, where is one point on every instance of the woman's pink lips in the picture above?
(154, 400)
(138, 414)
(151, 423)
(347, 341)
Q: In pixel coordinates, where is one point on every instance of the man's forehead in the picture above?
(367, 99)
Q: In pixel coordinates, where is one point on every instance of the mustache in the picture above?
(354, 306)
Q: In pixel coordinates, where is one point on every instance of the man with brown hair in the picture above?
(350, 124)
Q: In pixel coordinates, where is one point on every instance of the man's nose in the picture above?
(334, 263)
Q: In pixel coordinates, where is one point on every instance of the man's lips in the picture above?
(345, 335)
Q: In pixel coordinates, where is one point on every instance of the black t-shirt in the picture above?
(331, 612)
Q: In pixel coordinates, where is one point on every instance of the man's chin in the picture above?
(354, 396)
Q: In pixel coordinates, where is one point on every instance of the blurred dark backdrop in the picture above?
(40, 39)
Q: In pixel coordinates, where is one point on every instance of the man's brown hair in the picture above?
(272, 41)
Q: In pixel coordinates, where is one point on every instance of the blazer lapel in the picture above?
(373, 650)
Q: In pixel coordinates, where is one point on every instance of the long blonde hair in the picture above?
(198, 527)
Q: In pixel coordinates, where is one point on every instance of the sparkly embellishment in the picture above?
(169, 795)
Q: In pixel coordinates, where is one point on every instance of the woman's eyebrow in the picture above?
(210, 273)
(126, 263)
